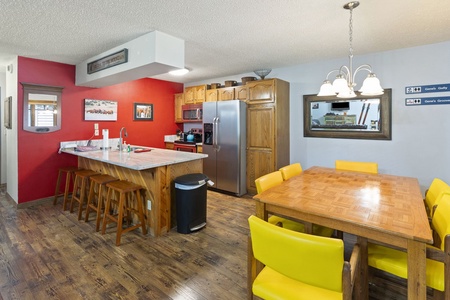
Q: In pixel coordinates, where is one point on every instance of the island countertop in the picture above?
(138, 160)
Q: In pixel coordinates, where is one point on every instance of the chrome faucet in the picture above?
(125, 134)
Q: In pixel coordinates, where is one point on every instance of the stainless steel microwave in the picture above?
(192, 112)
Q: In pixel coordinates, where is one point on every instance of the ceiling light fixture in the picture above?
(179, 72)
(345, 80)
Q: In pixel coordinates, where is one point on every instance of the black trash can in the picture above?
(190, 194)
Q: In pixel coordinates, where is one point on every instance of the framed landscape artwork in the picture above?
(143, 112)
(100, 110)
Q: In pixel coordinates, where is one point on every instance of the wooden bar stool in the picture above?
(96, 198)
(70, 176)
(80, 189)
(125, 190)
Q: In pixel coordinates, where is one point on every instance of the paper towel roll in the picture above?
(105, 133)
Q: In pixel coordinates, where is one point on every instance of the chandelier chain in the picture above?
(350, 33)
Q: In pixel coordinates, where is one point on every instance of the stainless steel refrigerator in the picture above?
(224, 140)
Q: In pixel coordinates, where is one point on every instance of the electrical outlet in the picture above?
(149, 205)
(96, 132)
(95, 126)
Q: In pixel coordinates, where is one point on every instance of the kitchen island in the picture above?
(155, 169)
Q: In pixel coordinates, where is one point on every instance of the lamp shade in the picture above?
(340, 84)
(326, 89)
(371, 86)
(349, 93)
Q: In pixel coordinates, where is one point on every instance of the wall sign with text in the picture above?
(427, 101)
(431, 88)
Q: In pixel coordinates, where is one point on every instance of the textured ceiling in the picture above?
(224, 37)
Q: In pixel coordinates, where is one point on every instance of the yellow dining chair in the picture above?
(367, 167)
(434, 193)
(298, 265)
(291, 170)
(270, 180)
(438, 256)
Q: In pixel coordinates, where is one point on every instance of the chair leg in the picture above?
(120, 218)
(99, 208)
(438, 295)
(69, 177)
(57, 189)
(141, 212)
(82, 196)
(90, 199)
(74, 192)
(107, 207)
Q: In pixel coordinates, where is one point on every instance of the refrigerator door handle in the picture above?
(216, 133)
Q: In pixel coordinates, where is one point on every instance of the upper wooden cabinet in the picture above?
(267, 128)
(212, 95)
(226, 93)
(240, 92)
(195, 94)
(261, 91)
(179, 101)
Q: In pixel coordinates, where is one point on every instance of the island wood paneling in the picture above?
(158, 185)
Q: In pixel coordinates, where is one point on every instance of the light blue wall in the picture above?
(420, 145)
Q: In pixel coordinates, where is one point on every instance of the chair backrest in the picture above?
(441, 219)
(434, 193)
(291, 170)
(310, 259)
(367, 167)
(267, 181)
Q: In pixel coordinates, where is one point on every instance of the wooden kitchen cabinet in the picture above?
(195, 94)
(179, 101)
(267, 128)
(226, 93)
(211, 95)
(169, 145)
(240, 92)
(261, 91)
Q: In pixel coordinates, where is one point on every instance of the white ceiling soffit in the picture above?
(149, 55)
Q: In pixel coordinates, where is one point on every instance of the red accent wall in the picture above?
(38, 153)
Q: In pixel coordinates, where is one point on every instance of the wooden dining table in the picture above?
(379, 207)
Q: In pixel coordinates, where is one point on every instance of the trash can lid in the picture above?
(192, 179)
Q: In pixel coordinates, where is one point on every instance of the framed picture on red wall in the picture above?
(143, 112)
(100, 110)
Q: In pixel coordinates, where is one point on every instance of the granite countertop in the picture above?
(156, 157)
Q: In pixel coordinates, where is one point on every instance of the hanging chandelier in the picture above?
(343, 85)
